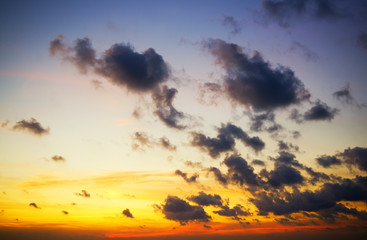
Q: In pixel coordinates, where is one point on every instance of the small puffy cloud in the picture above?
(179, 210)
(65, 212)
(58, 158)
(355, 157)
(252, 81)
(186, 177)
(284, 146)
(264, 122)
(284, 175)
(83, 193)
(31, 126)
(258, 162)
(204, 199)
(240, 172)
(34, 205)
(127, 213)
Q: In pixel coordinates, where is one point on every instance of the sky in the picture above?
(183, 119)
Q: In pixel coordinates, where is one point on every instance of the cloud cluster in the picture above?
(121, 64)
(252, 81)
(225, 141)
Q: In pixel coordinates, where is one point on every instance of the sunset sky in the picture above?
(183, 119)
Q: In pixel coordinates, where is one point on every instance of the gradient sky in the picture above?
(183, 119)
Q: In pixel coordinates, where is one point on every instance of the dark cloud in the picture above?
(317, 176)
(65, 212)
(284, 175)
(362, 40)
(225, 140)
(258, 162)
(165, 143)
(207, 226)
(58, 158)
(83, 193)
(219, 176)
(166, 112)
(138, 72)
(320, 111)
(181, 211)
(304, 50)
(186, 177)
(287, 159)
(355, 157)
(204, 199)
(32, 126)
(328, 161)
(232, 23)
(284, 146)
(325, 197)
(285, 11)
(34, 205)
(194, 164)
(252, 81)
(240, 172)
(127, 213)
(330, 215)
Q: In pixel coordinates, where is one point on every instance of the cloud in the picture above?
(258, 162)
(287, 159)
(355, 157)
(57, 158)
(65, 212)
(328, 161)
(84, 193)
(362, 40)
(181, 211)
(344, 95)
(121, 64)
(166, 112)
(234, 212)
(142, 140)
(127, 213)
(326, 197)
(193, 164)
(225, 140)
(264, 122)
(219, 176)
(252, 82)
(320, 111)
(32, 126)
(284, 146)
(185, 176)
(232, 23)
(284, 175)
(204, 199)
(34, 205)
(285, 11)
(97, 84)
(207, 226)
(240, 172)
(304, 50)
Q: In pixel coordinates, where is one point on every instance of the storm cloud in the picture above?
(252, 81)
(121, 64)
(181, 211)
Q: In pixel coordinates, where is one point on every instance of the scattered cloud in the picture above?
(179, 210)
(264, 122)
(83, 193)
(252, 82)
(284, 146)
(127, 213)
(186, 177)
